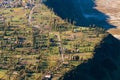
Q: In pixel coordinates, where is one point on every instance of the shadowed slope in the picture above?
(83, 12)
(104, 66)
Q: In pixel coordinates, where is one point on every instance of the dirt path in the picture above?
(31, 12)
(60, 46)
(30, 15)
(59, 64)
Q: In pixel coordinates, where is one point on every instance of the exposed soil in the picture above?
(112, 9)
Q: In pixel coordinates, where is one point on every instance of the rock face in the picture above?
(104, 65)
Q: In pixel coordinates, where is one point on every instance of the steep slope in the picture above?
(104, 66)
(112, 9)
(103, 13)
(83, 12)
(65, 9)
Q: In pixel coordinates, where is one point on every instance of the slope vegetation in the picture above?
(104, 65)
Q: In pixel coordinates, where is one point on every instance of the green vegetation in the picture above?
(48, 44)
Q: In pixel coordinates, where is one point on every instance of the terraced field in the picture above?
(47, 46)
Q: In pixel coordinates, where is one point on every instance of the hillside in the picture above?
(39, 43)
(83, 12)
(44, 41)
(104, 65)
(102, 13)
(113, 11)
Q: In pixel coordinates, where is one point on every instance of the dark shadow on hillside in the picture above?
(104, 66)
(80, 11)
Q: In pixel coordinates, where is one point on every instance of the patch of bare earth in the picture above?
(112, 9)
